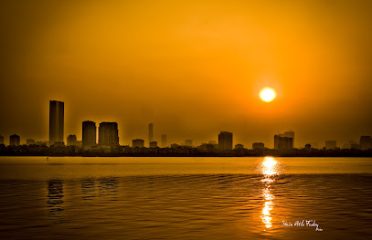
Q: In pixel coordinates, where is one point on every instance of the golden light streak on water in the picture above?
(269, 170)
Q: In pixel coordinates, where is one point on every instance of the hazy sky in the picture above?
(192, 67)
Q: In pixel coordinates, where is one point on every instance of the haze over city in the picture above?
(193, 68)
(185, 119)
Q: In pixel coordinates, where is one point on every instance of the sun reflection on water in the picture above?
(269, 167)
(269, 171)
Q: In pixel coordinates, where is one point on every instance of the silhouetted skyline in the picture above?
(108, 141)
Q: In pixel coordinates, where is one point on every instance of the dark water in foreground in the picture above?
(185, 198)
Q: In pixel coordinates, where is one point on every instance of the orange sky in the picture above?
(191, 67)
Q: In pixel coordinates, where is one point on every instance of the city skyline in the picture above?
(107, 134)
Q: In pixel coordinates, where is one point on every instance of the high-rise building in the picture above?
(1, 140)
(365, 142)
(14, 140)
(89, 134)
(284, 141)
(138, 143)
(164, 140)
(108, 134)
(151, 132)
(225, 141)
(71, 140)
(330, 144)
(56, 122)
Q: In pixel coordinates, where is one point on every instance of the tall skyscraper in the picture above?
(71, 140)
(164, 140)
(108, 134)
(151, 132)
(225, 141)
(56, 122)
(89, 134)
(284, 141)
(14, 140)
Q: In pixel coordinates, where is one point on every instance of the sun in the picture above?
(267, 94)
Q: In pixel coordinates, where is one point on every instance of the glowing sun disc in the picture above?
(267, 94)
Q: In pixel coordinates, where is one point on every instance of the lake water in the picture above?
(185, 198)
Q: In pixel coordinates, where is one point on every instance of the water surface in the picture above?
(185, 198)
